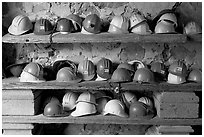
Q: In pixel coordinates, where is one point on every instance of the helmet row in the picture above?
(88, 103)
(92, 24)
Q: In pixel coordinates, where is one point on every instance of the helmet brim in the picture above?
(14, 31)
(120, 115)
(13, 65)
(77, 114)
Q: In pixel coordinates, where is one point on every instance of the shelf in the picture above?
(13, 83)
(95, 38)
(99, 119)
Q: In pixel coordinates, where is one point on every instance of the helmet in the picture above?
(146, 101)
(86, 97)
(164, 27)
(104, 68)
(101, 104)
(76, 21)
(174, 79)
(64, 63)
(136, 19)
(43, 27)
(143, 75)
(192, 28)
(126, 66)
(130, 97)
(69, 101)
(169, 17)
(142, 29)
(92, 24)
(84, 108)
(119, 24)
(87, 70)
(66, 74)
(121, 75)
(54, 109)
(137, 109)
(49, 99)
(20, 25)
(159, 69)
(195, 75)
(115, 107)
(65, 26)
(178, 68)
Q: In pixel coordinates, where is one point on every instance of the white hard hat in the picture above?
(174, 79)
(69, 101)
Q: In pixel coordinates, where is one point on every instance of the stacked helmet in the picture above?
(137, 110)
(69, 101)
(76, 21)
(126, 66)
(104, 68)
(66, 74)
(169, 17)
(92, 24)
(64, 26)
(119, 24)
(178, 68)
(121, 75)
(86, 69)
(130, 97)
(192, 28)
(43, 27)
(174, 79)
(195, 75)
(164, 27)
(20, 25)
(144, 75)
(136, 19)
(86, 97)
(64, 63)
(115, 107)
(33, 72)
(146, 101)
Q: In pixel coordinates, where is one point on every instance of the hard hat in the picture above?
(27, 77)
(64, 63)
(66, 74)
(69, 100)
(192, 28)
(54, 109)
(104, 68)
(127, 66)
(49, 99)
(142, 29)
(101, 104)
(65, 26)
(43, 27)
(86, 69)
(169, 17)
(86, 97)
(92, 24)
(146, 101)
(164, 27)
(136, 19)
(121, 75)
(195, 75)
(20, 25)
(178, 68)
(76, 21)
(174, 79)
(119, 24)
(84, 108)
(115, 107)
(129, 97)
(159, 70)
(143, 75)
(101, 94)
(137, 110)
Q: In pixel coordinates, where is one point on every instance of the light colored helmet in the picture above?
(69, 100)
(27, 77)
(119, 24)
(174, 79)
(20, 25)
(121, 75)
(101, 104)
(192, 28)
(84, 108)
(195, 75)
(86, 97)
(143, 75)
(136, 19)
(164, 28)
(146, 101)
(115, 107)
(142, 29)
(169, 17)
(87, 70)
(130, 97)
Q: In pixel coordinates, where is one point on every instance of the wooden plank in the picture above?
(13, 83)
(175, 129)
(96, 38)
(195, 37)
(17, 126)
(99, 119)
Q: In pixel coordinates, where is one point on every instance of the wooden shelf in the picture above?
(95, 38)
(13, 83)
(99, 119)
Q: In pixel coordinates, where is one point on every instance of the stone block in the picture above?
(17, 129)
(175, 130)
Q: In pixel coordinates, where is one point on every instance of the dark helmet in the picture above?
(121, 75)
(43, 27)
(144, 75)
(137, 109)
(92, 24)
(76, 21)
(65, 26)
(159, 70)
(54, 109)
(195, 75)
(104, 68)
